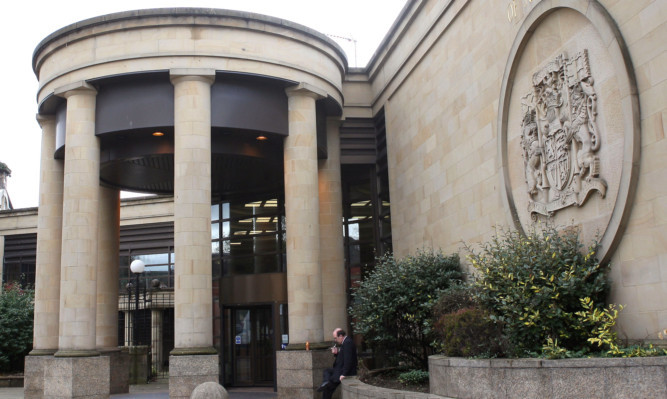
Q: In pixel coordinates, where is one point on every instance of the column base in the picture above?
(119, 365)
(77, 377)
(33, 375)
(139, 366)
(299, 373)
(188, 371)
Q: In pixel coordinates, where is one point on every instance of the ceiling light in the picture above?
(158, 134)
(261, 138)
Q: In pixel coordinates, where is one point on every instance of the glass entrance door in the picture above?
(250, 338)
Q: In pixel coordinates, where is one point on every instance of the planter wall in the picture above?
(352, 388)
(544, 379)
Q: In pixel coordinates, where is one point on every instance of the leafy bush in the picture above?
(469, 332)
(642, 351)
(392, 306)
(413, 377)
(598, 323)
(16, 314)
(535, 283)
(453, 299)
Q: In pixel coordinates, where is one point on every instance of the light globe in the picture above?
(137, 266)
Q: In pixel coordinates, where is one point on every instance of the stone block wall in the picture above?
(544, 379)
(639, 266)
(299, 373)
(441, 86)
(85, 377)
(188, 371)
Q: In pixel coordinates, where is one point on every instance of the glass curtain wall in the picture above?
(248, 237)
(366, 210)
(159, 265)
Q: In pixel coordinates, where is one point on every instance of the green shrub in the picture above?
(453, 299)
(535, 283)
(392, 306)
(642, 351)
(598, 324)
(469, 332)
(16, 314)
(413, 377)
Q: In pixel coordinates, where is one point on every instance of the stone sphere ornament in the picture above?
(209, 390)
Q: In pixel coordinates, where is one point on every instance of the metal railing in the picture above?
(147, 314)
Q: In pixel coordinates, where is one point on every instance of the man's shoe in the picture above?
(324, 385)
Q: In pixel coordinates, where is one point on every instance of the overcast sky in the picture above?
(27, 22)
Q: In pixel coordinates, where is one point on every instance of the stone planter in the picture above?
(538, 378)
(352, 388)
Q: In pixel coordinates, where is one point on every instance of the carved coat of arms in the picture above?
(559, 136)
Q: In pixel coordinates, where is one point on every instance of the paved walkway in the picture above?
(159, 390)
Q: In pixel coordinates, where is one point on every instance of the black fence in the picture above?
(146, 318)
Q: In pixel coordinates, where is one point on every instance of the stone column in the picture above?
(107, 269)
(193, 360)
(77, 361)
(47, 264)
(156, 339)
(107, 290)
(304, 277)
(332, 256)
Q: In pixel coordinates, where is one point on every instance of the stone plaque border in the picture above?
(606, 27)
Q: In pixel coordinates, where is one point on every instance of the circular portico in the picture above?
(174, 101)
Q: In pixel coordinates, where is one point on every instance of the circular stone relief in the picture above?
(569, 123)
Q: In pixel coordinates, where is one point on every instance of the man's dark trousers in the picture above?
(330, 376)
(345, 364)
(328, 391)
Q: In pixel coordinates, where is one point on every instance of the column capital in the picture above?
(306, 89)
(44, 119)
(80, 87)
(189, 74)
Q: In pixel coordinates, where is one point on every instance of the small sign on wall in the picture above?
(238, 340)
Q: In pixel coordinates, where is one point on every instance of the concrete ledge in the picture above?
(354, 389)
(11, 382)
(539, 378)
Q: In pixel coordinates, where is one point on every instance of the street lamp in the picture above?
(137, 267)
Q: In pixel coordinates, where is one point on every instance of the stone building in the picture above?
(277, 164)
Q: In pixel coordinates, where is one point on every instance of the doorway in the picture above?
(249, 340)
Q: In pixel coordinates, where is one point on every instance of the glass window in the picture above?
(251, 238)
(157, 266)
(215, 212)
(150, 259)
